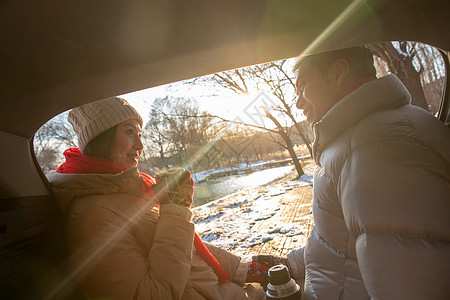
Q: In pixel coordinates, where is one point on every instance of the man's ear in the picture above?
(341, 71)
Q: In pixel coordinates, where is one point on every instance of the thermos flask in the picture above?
(281, 286)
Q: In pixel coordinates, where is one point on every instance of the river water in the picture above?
(214, 189)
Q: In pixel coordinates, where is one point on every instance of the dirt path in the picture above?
(295, 210)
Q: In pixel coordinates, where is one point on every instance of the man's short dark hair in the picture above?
(360, 60)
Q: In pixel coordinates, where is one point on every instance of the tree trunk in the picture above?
(299, 130)
(401, 65)
(304, 137)
(288, 142)
(291, 151)
(163, 157)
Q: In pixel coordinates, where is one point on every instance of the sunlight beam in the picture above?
(325, 34)
(343, 17)
(98, 253)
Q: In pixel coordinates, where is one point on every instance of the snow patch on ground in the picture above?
(228, 222)
(240, 168)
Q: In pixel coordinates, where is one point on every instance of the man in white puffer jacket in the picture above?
(381, 186)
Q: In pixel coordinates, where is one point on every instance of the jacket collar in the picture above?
(383, 93)
(68, 186)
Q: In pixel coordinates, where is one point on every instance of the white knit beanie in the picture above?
(91, 119)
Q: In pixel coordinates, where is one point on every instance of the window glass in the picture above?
(237, 116)
(420, 67)
(246, 144)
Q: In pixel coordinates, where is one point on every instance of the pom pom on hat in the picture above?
(91, 119)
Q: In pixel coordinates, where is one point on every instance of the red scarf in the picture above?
(77, 163)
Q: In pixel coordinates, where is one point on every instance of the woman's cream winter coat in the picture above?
(124, 246)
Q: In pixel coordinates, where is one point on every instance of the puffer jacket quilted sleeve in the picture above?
(381, 199)
(394, 188)
(296, 263)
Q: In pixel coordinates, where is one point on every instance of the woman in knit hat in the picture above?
(130, 237)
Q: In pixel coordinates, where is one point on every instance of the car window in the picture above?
(420, 67)
(236, 117)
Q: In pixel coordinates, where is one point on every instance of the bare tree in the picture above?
(399, 60)
(274, 79)
(51, 140)
(432, 75)
(154, 136)
(286, 107)
(282, 131)
(178, 128)
(287, 140)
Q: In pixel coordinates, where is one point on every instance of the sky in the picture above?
(217, 101)
(223, 103)
(214, 99)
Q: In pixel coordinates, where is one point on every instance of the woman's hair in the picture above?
(100, 146)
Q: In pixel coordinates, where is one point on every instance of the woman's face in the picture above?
(127, 145)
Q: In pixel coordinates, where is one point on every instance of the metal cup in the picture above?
(281, 286)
